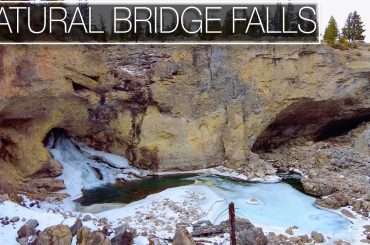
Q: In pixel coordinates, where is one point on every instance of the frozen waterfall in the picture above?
(86, 168)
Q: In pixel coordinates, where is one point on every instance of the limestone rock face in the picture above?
(178, 107)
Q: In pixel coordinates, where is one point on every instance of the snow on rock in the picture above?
(159, 213)
(8, 233)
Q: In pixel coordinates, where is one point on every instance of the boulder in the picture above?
(318, 187)
(14, 219)
(87, 237)
(317, 237)
(182, 237)
(55, 235)
(240, 225)
(5, 222)
(290, 230)
(335, 200)
(28, 229)
(125, 238)
(87, 217)
(254, 236)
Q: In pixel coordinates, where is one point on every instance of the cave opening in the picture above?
(340, 127)
(51, 137)
(311, 121)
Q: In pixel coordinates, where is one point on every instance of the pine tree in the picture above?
(358, 27)
(331, 32)
(347, 29)
(354, 27)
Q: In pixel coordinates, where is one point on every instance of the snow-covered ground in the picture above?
(274, 206)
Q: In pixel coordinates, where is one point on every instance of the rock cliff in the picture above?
(175, 107)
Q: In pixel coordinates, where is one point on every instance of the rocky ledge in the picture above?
(257, 109)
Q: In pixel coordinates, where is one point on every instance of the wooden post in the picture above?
(232, 223)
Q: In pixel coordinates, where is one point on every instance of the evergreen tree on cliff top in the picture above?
(354, 27)
(331, 32)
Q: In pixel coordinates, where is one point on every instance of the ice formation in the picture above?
(86, 168)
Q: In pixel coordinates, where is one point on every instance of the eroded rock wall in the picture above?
(173, 107)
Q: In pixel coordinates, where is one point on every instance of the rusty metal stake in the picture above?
(232, 223)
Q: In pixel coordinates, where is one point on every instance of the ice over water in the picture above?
(274, 206)
(277, 207)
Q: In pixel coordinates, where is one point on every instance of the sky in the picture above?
(340, 10)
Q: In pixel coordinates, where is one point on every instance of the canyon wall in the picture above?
(175, 107)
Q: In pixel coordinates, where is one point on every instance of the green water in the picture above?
(137, 190)
(132, 191)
